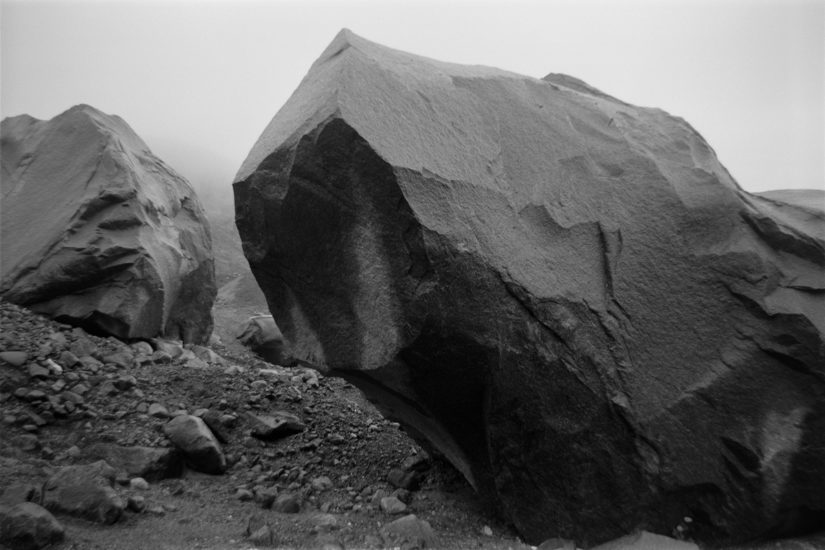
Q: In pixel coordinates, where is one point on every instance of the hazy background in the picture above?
(199, 80)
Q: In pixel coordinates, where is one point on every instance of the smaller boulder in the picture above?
(263, 337)
(84, 491)
(409, 532)
(287, 503)
(28, 526)
(200, 448)
(259, 531)
(392, 505)
(14, 358)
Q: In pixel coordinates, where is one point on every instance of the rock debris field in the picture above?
(116, 440)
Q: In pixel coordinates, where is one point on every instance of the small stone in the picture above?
(69, 359)
(486, 531)
(156, 510)
(158, 411)
(263, 536)
(324, 522)
(142, 348)
(14, 358)
(232, 370)
(72, 397)
(321, 483)
(38, 372)
(136, 503)
(29, 442)
(161, 357)
(36, 395)
(266, 496)
(125, 382)
(391, 505)
(287, 504)
(275, 426)
(138, 484)
(53, 367)
(123, 359)
(244, 495)
(409, 532)
(199, 446)
(89, 363)
(107, 388)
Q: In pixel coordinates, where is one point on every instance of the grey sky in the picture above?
(200, 80)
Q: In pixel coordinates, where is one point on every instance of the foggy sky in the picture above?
(199, 81)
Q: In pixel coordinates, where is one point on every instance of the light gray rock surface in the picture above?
(99, 232)
(567, 295)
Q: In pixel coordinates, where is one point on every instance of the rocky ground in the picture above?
(304, 461)
(68, 398)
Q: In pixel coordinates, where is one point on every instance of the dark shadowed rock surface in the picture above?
(98, 232)
(567, 295)
(28, 526)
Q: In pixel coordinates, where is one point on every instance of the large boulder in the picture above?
(567, 295)
(100, 233)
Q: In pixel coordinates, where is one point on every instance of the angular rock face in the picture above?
(100, 233)
(567, 295)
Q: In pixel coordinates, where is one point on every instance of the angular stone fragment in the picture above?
(567, 295)
(200, 448)
(276, 425)
(100, 233)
